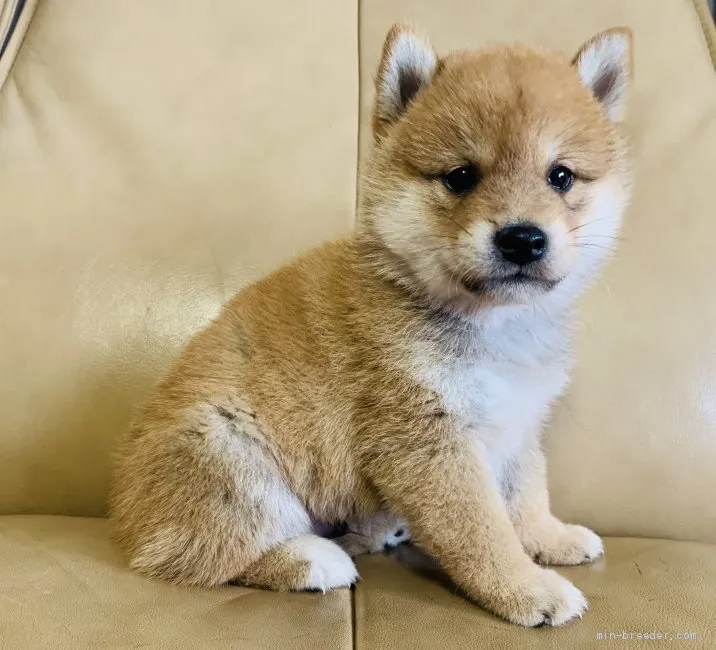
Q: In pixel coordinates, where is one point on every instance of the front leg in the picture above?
(439, 479)
(544, 537)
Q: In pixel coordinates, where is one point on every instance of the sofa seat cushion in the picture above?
(63, 584)
(640, 586)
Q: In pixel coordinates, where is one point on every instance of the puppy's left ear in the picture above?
(604, 63)
(406, 67)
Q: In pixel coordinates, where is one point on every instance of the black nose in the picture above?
(521, 244)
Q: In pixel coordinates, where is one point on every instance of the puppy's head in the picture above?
(497, 176)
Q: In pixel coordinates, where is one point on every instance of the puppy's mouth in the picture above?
(517, 279)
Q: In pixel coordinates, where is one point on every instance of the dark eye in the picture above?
(461, 179)
(560, 178)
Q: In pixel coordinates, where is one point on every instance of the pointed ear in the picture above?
(406, 67)
(604, 63)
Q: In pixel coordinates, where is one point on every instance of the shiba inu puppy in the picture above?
(406, 370)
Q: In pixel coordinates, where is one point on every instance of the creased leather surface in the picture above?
(704, 9)
(15, 18)
(152, 161)
(63, 585)
(633, 447)
(641, 585)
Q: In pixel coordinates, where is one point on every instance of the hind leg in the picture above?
(304, 563)
(202, 501)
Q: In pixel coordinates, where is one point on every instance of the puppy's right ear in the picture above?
(406, 67)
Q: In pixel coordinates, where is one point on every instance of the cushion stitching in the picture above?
(708, 27)
(21, 22)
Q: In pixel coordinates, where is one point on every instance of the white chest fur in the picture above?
(502, 381)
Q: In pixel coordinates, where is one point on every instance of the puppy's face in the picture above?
(498, 176)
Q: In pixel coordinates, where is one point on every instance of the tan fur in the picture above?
(367, 377)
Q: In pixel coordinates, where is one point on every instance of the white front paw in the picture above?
(569, 545)
(543, 598)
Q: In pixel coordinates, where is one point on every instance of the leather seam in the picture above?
(14, 37)
(14, 19)
(358, 112)
(354, 588)
(708, 27)
(354, 617)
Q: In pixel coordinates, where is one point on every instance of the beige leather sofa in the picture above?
(156, 156)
